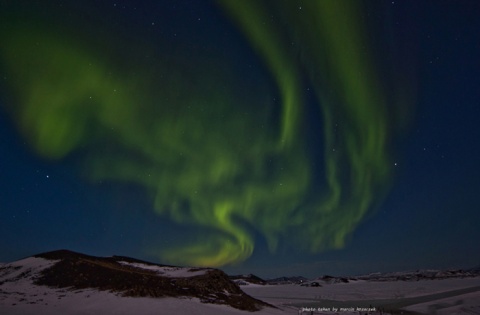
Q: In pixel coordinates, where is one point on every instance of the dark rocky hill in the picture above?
(136, 278)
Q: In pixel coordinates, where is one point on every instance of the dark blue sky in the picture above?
(429, 217)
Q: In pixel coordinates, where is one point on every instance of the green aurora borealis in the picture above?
(235, 157)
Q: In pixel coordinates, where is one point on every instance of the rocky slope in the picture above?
(130, 277)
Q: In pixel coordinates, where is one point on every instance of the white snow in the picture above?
(28, 267)
(18, 295)
(298, 296)
(95, 302)
(168, 271)
(460, 304)
(358, 290)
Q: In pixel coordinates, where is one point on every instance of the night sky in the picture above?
(275, 137)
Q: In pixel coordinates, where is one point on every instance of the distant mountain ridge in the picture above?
(287, 280)
(248, 278)
(253, 279)
(130, 277)
(420, 275)
(378, 277)
(475, 269)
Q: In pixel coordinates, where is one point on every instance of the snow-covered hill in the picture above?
(68, 282)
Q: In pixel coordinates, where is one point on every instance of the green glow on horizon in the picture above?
(210, 156)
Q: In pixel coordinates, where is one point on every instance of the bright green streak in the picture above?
(266, 40)
(329, 38)
(362, 142)
(209, 155)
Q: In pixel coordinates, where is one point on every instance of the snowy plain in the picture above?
(448, 296)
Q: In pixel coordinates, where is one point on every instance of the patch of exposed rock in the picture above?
(80, 271)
